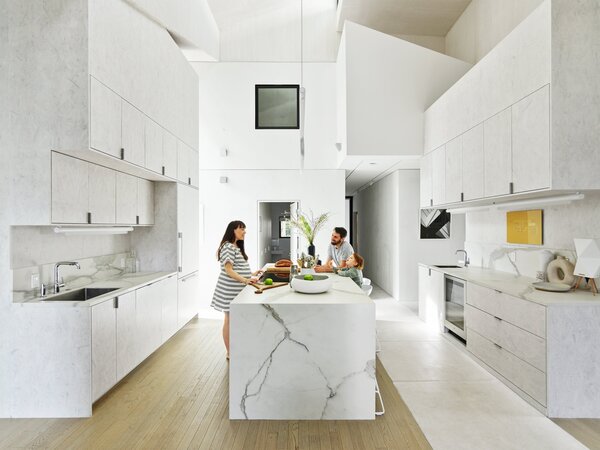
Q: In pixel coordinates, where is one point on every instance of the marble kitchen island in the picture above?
(299, 356)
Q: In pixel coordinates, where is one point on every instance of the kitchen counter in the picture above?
(125, 283)
(298, 356)
(518, 286)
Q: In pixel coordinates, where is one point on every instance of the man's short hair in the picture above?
(341, 231)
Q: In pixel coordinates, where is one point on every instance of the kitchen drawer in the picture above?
(526, 346)
(523, 375)
(526, 315)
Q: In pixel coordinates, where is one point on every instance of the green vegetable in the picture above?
(308, 277)
(269, 281)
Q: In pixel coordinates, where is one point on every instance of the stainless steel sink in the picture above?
(80, 295)
(449, 267)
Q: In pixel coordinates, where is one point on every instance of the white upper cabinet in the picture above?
(426, 193)
(472, 163)
(454, 171)
(105, 119)
(497, 154)
(127, 198)
(102, 194)
(153, 138)
(187, 164)
(145, 202)
(132, 134)
(438, 174)
(531, 142)
(70, 190)
(170, 155)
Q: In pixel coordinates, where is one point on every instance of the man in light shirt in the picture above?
(338, 252)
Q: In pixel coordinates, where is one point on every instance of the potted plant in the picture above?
(309, 226)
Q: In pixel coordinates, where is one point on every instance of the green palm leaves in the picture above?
(309, 226)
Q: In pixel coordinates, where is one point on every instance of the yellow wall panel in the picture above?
(524, 227)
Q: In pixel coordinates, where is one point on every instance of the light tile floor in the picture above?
(456, 402)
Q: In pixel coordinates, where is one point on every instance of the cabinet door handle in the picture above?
(430, 202)
(511, 188)
(89, 217)
(163, 170)
(462, 196)
(496, 290)
(122, 153)
(498, 318)
(180, 237)
(498, 346)
(116, 303)
(189, 180)
(137, 220)
(429, 271)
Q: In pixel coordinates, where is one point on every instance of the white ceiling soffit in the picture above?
(400, 17)
(361, 173)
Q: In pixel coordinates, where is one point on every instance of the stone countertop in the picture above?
(125, 283)
(344, 291)
(519, 286)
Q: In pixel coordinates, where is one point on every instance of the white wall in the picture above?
(389, 229)
(270, 31)
(190, 21)
(435, 43)
(483, 24)
(319, 190)
(389, 84)
(227, 117)
(486, 236)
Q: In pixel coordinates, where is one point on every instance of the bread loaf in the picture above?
(283, 263)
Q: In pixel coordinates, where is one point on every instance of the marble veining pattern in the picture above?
(302, 360)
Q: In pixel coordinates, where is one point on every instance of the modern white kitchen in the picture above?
(452, 145)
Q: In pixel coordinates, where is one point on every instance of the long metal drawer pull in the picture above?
(187, 277)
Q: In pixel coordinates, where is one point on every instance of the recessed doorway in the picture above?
(276, 238)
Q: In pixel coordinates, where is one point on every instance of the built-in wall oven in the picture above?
(454, 306)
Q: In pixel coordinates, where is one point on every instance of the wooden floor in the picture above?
(178, 399)
(587, 431)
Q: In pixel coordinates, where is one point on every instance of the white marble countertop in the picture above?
(519, 286)
(343, 291)
(125, 283)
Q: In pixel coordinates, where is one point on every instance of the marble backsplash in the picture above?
(519, 260)
(92, 269)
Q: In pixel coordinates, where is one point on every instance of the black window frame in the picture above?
(257, 87)
(283, 219)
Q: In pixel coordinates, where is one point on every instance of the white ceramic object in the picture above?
(307, 271)
(552, 287)
(318, 285)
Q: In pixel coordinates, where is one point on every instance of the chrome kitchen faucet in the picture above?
(466, 256)
(57, 282)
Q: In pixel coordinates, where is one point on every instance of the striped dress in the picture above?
(228, 288)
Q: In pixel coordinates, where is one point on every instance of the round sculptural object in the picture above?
(561, 271)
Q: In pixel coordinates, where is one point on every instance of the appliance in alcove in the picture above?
(454, 306)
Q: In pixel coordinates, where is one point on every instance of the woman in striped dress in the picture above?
(235, 272)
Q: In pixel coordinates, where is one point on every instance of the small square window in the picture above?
(277, 106)
(285, 227)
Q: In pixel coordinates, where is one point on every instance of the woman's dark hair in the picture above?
(229, 236)
(341, 231)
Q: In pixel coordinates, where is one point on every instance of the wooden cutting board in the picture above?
(278, 269)
(260, 287)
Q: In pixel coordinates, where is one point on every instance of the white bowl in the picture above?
(320, 284)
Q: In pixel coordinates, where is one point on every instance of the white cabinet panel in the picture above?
(472, 163)
(105, 119)
(102, 194)
(104, 347)
(431, 297)
(194, 167)
(127, 198)
(70, 190)
(188, 298)
(439, 175)
(188, 206)
(127, 355)
(154, 146)
(145, 202)
(132, 134)
(531, 142)
(453, 175)
(169, 308)
(148, 316)
(425, 181)
(497, 154)
(183, 162)
(170, 154)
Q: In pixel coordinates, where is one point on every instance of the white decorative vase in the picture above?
(307, 271)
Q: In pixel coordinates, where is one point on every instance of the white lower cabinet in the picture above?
(168, 324)
(127, 355)
(188, 301)
(148, 317)
(431, 297)
(104, 348)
